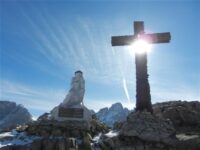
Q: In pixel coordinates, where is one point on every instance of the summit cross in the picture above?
(143, 97)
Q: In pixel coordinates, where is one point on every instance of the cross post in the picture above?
(143, 97)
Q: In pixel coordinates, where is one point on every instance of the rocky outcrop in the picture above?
(55, 132)
(116, 113)
(12, 115)
(184, 115)
(149, 128)
(141, 131)
(173, 126)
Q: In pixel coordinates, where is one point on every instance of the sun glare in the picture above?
(139, 47)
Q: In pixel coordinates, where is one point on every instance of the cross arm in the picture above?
(122, 40)
(156, 37)
(150, 38)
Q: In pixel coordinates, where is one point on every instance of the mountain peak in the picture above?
(116, 113)
(12, 114)
(116, 106)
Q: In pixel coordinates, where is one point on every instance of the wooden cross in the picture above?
(143, 97)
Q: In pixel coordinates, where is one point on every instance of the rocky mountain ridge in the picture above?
(116, 113)
(12, 115)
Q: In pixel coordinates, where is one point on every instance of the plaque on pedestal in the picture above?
(70, 112)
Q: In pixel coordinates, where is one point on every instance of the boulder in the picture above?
(149, 128)
(141, 131)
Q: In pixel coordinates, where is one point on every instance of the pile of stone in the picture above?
(46, 144)
(66, 128)
(74, 133)
(60, 135)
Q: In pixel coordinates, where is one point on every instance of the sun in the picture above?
(140, 47)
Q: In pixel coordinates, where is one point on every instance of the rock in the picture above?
(184, 115)
(118, 125)
(36, 145)
(116, 113)
(58, 128)
(62, 144)
(141, 131)
(56, 132)
(86, 142)
(47, 144)
(148, 127)
(12, 115)
(97, 127)
(44, 116)
(187, 142)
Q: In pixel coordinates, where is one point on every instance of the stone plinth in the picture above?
(53, 126)
(70, 112)
(77, 113)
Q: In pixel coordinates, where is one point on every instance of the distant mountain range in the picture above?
(12, 115)
(116, 113)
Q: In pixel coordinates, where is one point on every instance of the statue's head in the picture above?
(78, 73)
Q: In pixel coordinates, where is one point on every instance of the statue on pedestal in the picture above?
(72, 107)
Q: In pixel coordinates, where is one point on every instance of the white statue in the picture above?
(76, 93)
(74, 99)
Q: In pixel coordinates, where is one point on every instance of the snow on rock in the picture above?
(184, 137)
(112, 134)
(97, 138)
(15, 138)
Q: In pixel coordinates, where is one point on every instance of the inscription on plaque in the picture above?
(70, 112)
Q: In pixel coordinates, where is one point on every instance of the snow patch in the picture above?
(184, 137)
(34, 118)
(15, 138)
(97, 138)
(5, 134)
(112, 134)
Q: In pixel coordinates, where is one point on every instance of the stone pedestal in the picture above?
(70, 112)
(60, 113)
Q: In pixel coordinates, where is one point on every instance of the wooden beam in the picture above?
(156, 37)
(122, 40)
(138, 27)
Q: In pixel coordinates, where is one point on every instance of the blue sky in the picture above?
(42, 44)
